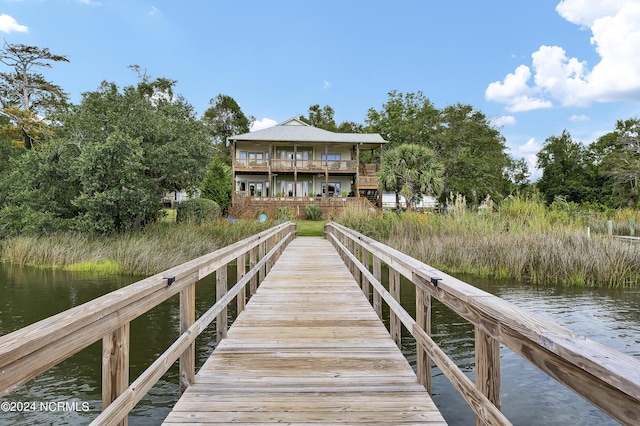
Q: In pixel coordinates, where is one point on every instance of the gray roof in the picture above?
(294, 130)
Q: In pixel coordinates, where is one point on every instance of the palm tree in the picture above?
(411, 171)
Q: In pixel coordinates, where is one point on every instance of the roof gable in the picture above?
(296, 130)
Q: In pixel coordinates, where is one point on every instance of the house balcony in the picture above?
(367, 182)
(300, 166)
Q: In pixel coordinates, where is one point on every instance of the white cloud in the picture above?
(326, 84)
(154, 11)
(8, 25)
(579, 117)
(554, 77)
(529, 151)
(263, 124)
(531, 147)
(505, 120)
(515, 92)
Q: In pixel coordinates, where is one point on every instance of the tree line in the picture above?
(103, 164)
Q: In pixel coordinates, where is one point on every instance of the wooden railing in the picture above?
(367, 182)
(32, 350)
(607, 378)
(289, 165)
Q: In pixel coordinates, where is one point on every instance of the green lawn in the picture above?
(310, 228)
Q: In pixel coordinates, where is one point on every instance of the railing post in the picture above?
(187, 318)
(423, 319)
(487, 368)
(241, 269)
(115, 366)
(366, 287)
(261, 251)
(253, 282)
(221, 290)
(377, 298)
(394, 322)
(357, 251)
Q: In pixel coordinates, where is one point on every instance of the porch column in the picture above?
(380, 189)
(233, 172)
(295, 170)
(356, 181)
(326, 170)
(269, 165)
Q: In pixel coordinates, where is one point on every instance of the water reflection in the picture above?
(529, 397)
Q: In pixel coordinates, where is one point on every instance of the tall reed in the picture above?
(520, 239)
(152, 250)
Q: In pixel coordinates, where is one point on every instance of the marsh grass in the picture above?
(521, 239)
(156, 248)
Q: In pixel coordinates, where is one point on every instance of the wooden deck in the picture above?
(308, 349)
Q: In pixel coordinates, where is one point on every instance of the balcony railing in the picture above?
(289, 165)
(367, 182)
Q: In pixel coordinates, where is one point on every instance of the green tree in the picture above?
(619, 155)
(473, 153)
(565, 170)
(411, 171)
(322, 118)
(38, 188)
(217, 183)
(26, 95)
(405, 118)
(224, 118)
(517, 176)
(111, 197)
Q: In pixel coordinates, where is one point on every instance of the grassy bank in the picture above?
(521, 240)
(152, 250)
(310, 228)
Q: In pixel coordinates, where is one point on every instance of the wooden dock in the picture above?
(308, 349)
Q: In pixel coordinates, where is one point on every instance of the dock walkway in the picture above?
(308, 349)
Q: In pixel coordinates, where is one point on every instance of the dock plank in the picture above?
(307, 349)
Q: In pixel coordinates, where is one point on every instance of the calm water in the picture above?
(528, 396)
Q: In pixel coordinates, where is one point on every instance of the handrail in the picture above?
(29, 351)
(607, 378)
(136, 391)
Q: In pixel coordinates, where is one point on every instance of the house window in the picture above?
(331, 157)
(334, 189)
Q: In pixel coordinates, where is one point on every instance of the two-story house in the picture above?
(296, 161)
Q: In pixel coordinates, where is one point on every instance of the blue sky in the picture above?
(535, 67)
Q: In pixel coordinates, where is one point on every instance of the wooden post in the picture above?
(356, 180)
(262, 271)
(187, 318)
(487, 368)
(395, 327)
(295, 171)
(423, 319)
(609, 228)
(366, 287)
(377, 298)
(632, 227)
(115, 366)
(253, 282)
(269, 244)
(326, 170)
(241, 269)
(221, 290)
(357, 251)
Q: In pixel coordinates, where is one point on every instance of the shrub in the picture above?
(312, 212)
(284, 213)
(198, 210)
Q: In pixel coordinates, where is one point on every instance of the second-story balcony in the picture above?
(301, 166)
